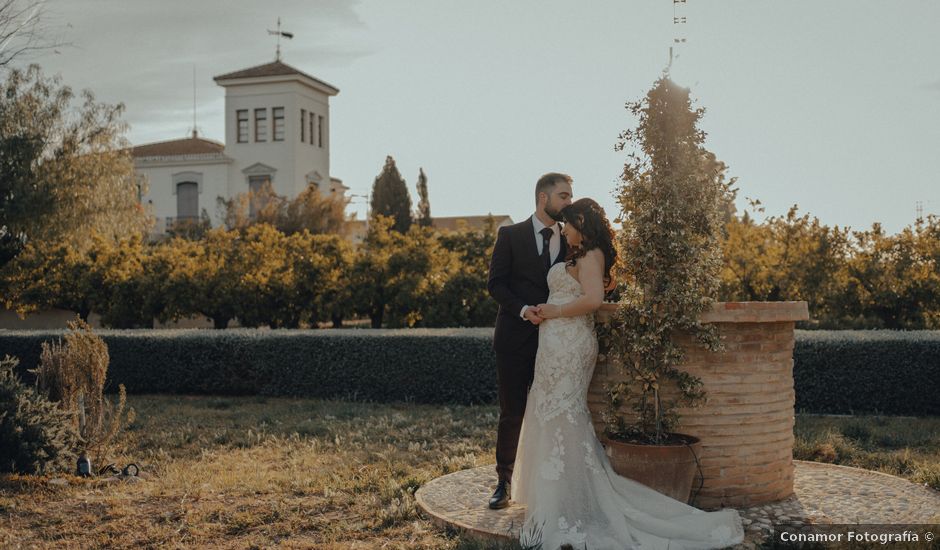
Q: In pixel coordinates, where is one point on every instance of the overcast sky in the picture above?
(832, 105)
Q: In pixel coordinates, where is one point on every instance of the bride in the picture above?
(562, 475)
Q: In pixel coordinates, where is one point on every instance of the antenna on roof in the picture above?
(279, 34)
(194, 101)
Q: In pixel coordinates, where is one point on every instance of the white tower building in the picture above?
(277, 122)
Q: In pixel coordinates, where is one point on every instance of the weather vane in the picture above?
(279, 34)
(678, 7)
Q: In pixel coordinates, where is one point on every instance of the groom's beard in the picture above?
(555, 215)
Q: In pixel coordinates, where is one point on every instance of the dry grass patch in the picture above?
(258, 473)
(904, 446)
(300, 473)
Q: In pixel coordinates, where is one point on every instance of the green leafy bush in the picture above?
(36, 436)
(673, 197)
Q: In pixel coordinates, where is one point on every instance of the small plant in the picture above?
(36, 436)
(74, 374)
(674, 201)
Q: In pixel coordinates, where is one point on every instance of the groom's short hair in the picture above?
(547, 182)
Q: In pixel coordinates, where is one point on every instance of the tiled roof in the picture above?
(277, 68)
(473, 222)
(177, 147)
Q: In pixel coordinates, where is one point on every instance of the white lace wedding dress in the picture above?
(561, 473)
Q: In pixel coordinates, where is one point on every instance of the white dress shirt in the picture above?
(554, 245)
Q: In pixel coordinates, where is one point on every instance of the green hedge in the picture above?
(421, 365)
(867, 371)
(846, 372)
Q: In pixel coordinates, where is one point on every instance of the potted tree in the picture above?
(674, 201)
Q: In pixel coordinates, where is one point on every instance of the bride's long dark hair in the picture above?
(590, 220)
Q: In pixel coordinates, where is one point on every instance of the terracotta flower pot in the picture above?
(669, 469)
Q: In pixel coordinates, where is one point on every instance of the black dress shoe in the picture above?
(500, 498)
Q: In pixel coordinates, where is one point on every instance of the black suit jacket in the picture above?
(518, 278)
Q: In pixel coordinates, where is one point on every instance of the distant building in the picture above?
(277, 122)
(356, 229)
(475, 223)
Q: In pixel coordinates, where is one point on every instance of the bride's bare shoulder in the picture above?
(595, 255)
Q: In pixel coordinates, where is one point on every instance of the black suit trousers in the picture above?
(514, 374)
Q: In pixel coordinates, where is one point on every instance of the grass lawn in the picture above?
(272, 472)
(904, 446)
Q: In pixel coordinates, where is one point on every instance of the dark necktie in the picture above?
(546, 252)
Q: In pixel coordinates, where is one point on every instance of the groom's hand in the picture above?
(532, 315)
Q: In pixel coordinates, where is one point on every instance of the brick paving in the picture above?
(823, 494)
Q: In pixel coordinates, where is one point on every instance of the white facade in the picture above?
(210, 173)
(277, 123)
(292, 163)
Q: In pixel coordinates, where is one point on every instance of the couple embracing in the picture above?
(549, 280)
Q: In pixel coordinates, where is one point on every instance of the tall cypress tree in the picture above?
(424, 205)
(390, 196)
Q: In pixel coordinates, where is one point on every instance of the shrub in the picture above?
(673, 196)
(74, 374)
(36, 435)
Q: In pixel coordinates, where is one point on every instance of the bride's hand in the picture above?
(548, 311)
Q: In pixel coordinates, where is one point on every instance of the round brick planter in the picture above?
(746, 425)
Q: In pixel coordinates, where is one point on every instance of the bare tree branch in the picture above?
(21, 30)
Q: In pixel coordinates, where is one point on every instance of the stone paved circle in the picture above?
(823, 494)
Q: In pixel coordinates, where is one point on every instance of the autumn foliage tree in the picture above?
(463, 300)
(50, 275)
(787, 257)
(323, 264)
(310, 210)
(105, 277)
(65, 170)
(202, 277)
(894, 280)
(397, 278)
(850, 279)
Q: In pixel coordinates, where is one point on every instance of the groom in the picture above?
(518, 269)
